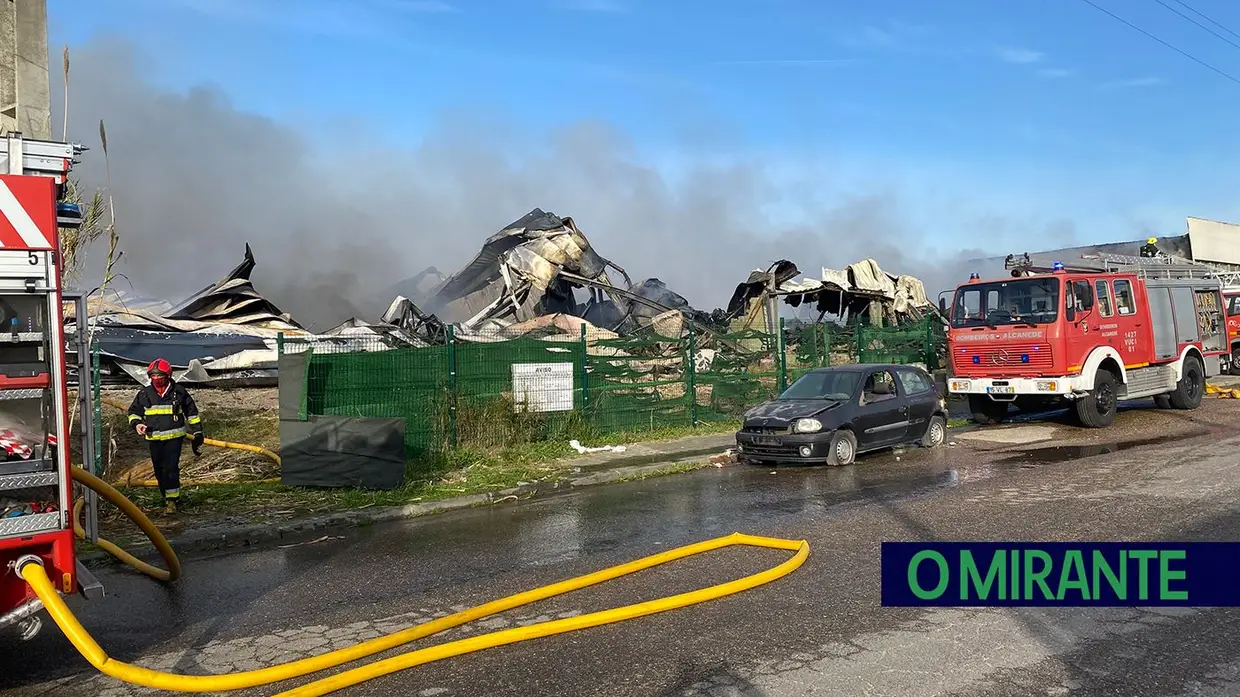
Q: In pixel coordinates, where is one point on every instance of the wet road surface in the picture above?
(819, 631)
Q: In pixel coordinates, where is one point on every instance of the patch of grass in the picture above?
(460, 472)
(957, 422)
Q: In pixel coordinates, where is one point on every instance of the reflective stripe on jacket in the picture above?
(168, 416)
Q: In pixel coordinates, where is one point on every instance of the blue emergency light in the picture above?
(1057, 266)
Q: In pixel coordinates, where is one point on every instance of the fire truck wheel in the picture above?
(1162, 401)
(1234, 368)
(1097, 409)
(1192, 385)
(987, 411)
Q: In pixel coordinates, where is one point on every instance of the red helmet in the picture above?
(159, 365)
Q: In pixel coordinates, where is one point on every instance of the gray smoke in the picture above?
(332, 223)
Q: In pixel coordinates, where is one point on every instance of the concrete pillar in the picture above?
(25, 93)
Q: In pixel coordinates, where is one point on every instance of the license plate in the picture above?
(1001, 389)
(766, 441)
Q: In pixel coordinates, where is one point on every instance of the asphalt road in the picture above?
(1156, 475)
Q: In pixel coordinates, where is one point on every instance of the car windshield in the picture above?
(1022, 301)
(835, 385)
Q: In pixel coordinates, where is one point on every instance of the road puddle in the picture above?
(1064, 453)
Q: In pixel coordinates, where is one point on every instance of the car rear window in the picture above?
(915, 382)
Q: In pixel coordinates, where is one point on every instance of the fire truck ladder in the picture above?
(1161, 266)
(1166, 266)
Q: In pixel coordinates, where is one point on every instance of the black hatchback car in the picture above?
(831, 415)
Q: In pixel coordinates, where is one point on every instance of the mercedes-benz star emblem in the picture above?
(999, 357)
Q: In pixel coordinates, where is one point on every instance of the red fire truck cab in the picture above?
(1231, 300)
(1130, 328)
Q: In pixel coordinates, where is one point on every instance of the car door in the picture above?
(922, 398)
(882, 412)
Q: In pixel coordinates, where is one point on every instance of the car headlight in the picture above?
(807, 426)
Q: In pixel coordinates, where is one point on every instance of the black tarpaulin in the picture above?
(343, 452)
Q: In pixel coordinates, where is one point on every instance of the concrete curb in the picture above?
(230, 536)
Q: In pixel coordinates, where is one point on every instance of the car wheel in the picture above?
(843, 449)
(1235, 361)
(936, 432)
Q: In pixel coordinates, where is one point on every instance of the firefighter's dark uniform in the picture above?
(1150, 248)
(169, 417)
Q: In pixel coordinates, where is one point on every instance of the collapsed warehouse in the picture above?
(540, 266)
(538, 276)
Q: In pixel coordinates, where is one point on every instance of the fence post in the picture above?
(96, 388)
(585, 371)
(279, 344)
(452, 386)
(303, 407)
(783, 357)
(860, 340)
(824, 359)
(691, 375)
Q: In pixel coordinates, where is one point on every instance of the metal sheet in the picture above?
(29, 524)
(1163, 322)
(1185, 311)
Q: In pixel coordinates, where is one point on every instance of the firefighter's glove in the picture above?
(196, 444)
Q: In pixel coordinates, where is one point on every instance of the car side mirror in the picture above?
(1070, 314)
(943, 306)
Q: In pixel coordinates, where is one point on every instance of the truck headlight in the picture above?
(1047, 386)
(807, 426)
(959, 385)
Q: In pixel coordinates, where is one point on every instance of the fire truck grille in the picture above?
(1002, 359)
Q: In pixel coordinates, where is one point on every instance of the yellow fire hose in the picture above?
(1223, 392)
(259, 450)
(31, 569)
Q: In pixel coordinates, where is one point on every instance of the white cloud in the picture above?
(1149, 81)
(1022, 56)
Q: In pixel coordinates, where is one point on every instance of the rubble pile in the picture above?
(538, 277)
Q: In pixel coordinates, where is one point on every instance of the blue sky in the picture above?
(1037, 108)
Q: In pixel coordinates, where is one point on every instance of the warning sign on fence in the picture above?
(543, 386)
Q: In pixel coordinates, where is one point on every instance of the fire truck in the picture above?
(1107, 329)
(1231, 297)
(36, 484)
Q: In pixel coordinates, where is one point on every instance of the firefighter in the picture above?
(1150, 248)
(164, 413)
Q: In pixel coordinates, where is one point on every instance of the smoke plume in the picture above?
(333, 223)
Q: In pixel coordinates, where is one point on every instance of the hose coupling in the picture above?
(25, 559)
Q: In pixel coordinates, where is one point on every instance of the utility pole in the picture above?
(25, 92)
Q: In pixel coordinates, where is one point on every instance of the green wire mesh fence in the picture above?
(490, 389)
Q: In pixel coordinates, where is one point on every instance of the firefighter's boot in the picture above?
(170, 507)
